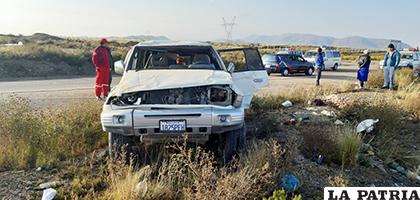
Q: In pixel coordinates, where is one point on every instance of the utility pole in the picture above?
(229, 28)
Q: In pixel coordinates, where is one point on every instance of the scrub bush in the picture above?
(349, 143)
(193, 174)
(282, 195)
(31, 138)
(375, 79)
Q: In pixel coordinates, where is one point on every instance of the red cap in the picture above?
(103, 40)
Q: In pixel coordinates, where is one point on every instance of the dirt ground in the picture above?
(314, 176)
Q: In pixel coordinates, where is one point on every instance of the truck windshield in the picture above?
(268, 58)
(407, 56)
(187, 57)
(310, 54)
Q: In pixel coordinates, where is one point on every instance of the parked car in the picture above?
(410, 59)
(271, 63)
(287, 64)
(291, 63)
(332, 58)
(203, 98)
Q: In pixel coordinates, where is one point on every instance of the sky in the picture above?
(202, 19)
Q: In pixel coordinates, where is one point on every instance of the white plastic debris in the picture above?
(287, 104)
(48, 194)
(367, 125)
(328, 113)
(49, 185)
(338, 122)
(38, 169)
(141, 188)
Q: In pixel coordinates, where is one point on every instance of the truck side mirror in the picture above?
(231, 68)
(119, 67)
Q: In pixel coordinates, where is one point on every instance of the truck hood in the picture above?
(147, 80)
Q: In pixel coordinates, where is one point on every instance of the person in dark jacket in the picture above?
(364, 64)
(391, 62)
(319, 65)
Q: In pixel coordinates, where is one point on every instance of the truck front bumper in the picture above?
(143, 121)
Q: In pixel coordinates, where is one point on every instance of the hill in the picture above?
(147, 37)
(357, 42)
(35, 38)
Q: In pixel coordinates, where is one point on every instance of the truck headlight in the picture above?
(118, 119)
(224, 118)
(238, 101)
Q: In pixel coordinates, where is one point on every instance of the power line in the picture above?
(229, 28)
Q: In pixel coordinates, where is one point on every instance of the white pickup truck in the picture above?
(172, 89)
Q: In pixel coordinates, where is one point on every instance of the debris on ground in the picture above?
(48, 194)
(397, 168)
(367, 126)
(141, 188)
(365, 148)
(413, 176)
(290, 183)
(319, 160)
(317, 102)
(338, 101)
(303, 119)
(338, 122)
(291, 121)
(328, 113)
(51, 184)
(287, 104)
(38, 169)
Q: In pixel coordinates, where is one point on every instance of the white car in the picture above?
(172, 89)
(410, 59)
(332, 58)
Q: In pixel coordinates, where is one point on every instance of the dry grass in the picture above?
(339, 145)
(192, 173)
(282, 195)
(338, 181)
(409, 99)
(32, 138)
(349, 143)
(403, 78)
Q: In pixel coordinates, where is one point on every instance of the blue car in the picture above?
(287, 64)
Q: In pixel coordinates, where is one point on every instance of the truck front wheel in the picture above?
(232, 143)
(119, 144)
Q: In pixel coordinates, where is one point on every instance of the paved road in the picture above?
(62, 91)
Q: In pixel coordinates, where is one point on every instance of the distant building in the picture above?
(20, 43)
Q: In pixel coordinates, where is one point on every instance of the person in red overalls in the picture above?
(101, 60)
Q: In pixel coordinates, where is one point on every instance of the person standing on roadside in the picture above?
(101, 58)
(319, 65)
(364, 64)
(391, 61)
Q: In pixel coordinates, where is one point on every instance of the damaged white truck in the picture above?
(172, 89)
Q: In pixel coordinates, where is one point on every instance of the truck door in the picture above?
(249, 74)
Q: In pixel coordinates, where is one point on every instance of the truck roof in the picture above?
(171, 43)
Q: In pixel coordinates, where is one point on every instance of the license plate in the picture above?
(173, 126)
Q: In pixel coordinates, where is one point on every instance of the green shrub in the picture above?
(282, 195)
(349, 143)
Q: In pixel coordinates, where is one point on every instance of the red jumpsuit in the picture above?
(101, 60)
